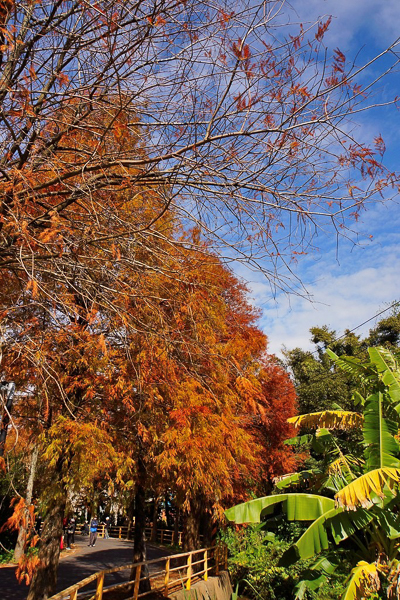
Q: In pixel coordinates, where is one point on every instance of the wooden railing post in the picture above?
(162, 536)
(120, 532)
(205, 565)
(216, 556)
(99, 586)
(189, 572)
(103, 530)
(180, 539)
(166, 579)
(137, 582)
(226, 558)
(74, 595)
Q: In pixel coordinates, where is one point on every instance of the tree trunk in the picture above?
(8, 389)
(167, 511)
(45, 577)
(155, 520)
(139, 539)
(130, 513)
(206, 524)
(192, 527)
(176, 526)
(22, 533)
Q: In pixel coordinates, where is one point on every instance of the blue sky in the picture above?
(347, 283)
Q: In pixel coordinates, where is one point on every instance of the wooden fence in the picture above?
(177, 571)
(164, 536)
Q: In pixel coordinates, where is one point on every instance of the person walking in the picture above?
(107, 527)
(93, 531)
(71, 532)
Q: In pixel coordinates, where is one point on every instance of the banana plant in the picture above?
(366, 501)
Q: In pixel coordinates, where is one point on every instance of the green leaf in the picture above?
(312, 542)
(381, 446)
(335, 523)
(349, 364)
(387, 365)
(313, 582)
(293, 479)
(313, 578)
(389, 523)
(299, 439)
(383, 359)
(346, 523)
(298, 507)
(358, 399)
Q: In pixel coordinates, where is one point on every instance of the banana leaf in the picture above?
(381, 446)
(363, 491)
(349, 364)
(293, 479)
(314, 577)
(335, 523)
(329, 419)
(389, 523)
(383, 359)
(388, 367)
(298, 507)
(363, 581)
(313, 541)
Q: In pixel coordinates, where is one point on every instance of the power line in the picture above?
(397, 303)
(329, 375)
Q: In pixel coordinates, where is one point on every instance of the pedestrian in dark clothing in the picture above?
(107, 527)
(93, 532)
(86, 528)
(71, 532)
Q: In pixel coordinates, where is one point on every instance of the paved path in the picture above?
(80, 563)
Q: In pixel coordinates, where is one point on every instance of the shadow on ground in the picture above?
(82, 562)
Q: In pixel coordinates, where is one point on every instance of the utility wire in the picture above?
(324, 376)
(397, 303)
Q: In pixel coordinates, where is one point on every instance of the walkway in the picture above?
(80, 563)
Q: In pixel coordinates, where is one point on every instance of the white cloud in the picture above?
(353, 20)
(345, 289)
(342, 302)
(349, 285)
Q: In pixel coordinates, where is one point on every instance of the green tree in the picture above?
(319, 384)
(364, 508)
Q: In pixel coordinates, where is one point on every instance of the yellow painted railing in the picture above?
(177, 571)
(164, 536)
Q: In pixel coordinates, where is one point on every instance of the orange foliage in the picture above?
(27, 565)
(145, 350)
(23, 516)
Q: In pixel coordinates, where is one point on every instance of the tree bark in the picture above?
(9, 390)
(167, 511)
(45, 577)
(139, 539)
(176, 525)
(155, 520)
(192, 527)
(22, 533)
